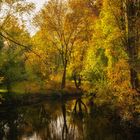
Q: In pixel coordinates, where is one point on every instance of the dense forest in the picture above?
(88, 46)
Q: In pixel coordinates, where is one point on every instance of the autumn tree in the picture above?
(12, 36)
(64, 27)
(13, 56)
(39, 66)
(84, 40)
(132, 19)
(126, 14)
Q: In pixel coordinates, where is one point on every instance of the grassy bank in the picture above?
(25, 93)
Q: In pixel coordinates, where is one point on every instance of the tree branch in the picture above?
(26, 47)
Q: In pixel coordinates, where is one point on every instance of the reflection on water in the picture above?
(60, 120)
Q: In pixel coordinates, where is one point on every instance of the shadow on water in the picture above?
(77, 119)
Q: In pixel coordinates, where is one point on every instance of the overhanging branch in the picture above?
(19, 44)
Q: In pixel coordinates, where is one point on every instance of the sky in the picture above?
(38, 4)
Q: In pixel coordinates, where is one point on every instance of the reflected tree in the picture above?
(65, 127)
(78, 109)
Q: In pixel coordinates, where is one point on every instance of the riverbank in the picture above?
(16, 99)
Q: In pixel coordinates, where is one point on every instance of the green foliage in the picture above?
(12, 66)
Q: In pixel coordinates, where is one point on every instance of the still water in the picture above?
(75, 119)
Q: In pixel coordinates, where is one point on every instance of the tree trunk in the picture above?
(77, 81)
(63, 84)
(134, 79)
(131, 44)
(65, 127)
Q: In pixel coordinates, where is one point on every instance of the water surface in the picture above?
(76, 119)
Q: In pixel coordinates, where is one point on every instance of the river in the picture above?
(75, 119)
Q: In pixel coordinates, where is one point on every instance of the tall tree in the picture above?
(12, 35)
(13, 57)
(127, 19)
(121, 29)
(64, 27)
(132, 15)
